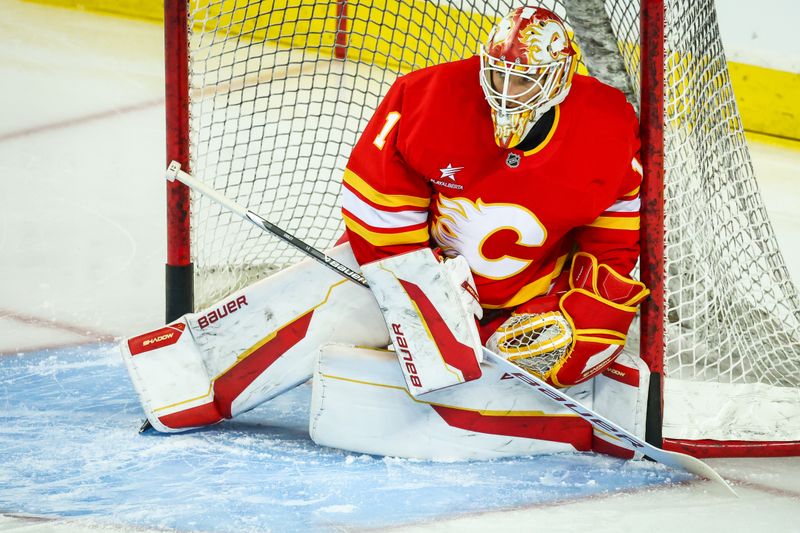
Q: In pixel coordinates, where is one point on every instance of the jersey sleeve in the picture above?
(384, 201)
(613, 237)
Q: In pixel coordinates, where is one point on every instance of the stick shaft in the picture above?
(175, 173)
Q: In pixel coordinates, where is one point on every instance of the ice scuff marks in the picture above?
(70, 448)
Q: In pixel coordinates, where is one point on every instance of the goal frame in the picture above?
(180, 272)
(179, 279)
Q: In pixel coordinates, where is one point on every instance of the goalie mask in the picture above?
(527, 65)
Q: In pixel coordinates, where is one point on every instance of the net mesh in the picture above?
(732, 312)
(275, 113)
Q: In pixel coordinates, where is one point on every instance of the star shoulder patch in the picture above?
(450, 171)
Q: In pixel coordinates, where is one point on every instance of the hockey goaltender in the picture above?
(492, 201)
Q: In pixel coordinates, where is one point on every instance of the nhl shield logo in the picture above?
(512, 160)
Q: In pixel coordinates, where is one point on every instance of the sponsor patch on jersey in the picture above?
(449, 172)
(447, 184)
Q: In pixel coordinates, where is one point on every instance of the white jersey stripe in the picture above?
(636, 165)
(625, 206)
(378, 218)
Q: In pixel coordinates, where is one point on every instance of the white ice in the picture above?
(82, 248)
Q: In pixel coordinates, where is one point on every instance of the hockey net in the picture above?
(278, 92)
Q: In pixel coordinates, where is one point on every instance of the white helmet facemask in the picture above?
(526, 69)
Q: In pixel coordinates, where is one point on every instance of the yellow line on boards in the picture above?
(768, 99)
(150, 10)
(783, 142)
(405, 35)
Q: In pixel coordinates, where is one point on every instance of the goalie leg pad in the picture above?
(360, 403)
(620, 394)
(251, 346)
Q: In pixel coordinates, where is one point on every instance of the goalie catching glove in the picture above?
(568, 338)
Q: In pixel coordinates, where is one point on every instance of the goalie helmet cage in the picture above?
(265, 100)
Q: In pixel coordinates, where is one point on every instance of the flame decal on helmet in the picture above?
(501, 32)
(546, 41)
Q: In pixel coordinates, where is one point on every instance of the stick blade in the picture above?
(693, 466)
(625, 439)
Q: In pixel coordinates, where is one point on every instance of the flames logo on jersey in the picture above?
(462, 227)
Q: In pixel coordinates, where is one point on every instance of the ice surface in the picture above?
(68, 432)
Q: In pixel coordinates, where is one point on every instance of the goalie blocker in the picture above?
(432, 327)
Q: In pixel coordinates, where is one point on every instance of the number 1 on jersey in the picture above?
(391, 120)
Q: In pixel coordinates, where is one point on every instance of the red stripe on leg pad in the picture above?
(568, 429)
(201, 415)
(454, 353)
(230, 385)
(601, 445)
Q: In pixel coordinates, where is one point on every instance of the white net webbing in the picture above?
(733, 314)
(274, 115)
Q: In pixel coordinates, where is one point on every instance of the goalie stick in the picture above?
(624, 438)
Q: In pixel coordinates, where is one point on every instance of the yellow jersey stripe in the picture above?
(600, 340)
(610, 332)
(387, 200)
(532, 290)
(386, 239)
(636, 166)
(634, 192)
(625, 223)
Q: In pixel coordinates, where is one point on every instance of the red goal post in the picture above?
(266, 98)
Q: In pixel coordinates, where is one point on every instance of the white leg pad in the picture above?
(360, 402)
(251, 346)
(620, 394)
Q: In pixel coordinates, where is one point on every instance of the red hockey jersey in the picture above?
(427, 172)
